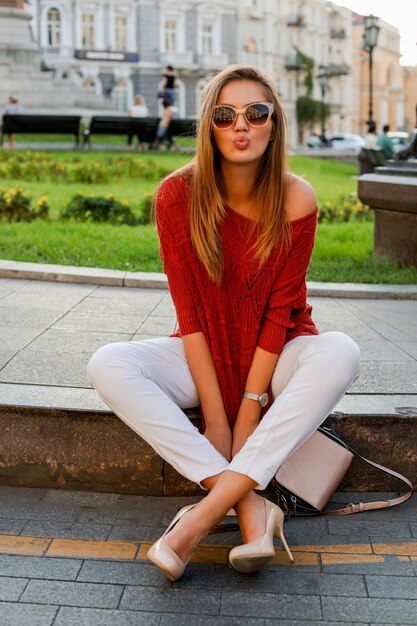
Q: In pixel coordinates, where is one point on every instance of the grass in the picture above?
(343, 252)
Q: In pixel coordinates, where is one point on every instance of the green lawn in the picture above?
(343, 251)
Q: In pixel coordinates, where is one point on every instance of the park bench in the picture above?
(369, 159)
(182, 127)
(143, 127)
(41, 124)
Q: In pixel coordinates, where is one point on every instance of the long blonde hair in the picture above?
(207, 189)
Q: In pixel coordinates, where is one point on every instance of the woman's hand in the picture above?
(220, 436)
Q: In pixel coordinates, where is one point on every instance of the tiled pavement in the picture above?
(76, 558)
(80, 558)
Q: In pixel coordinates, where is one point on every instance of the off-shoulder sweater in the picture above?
(252, 307)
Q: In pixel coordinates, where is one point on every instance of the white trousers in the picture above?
(147, 383)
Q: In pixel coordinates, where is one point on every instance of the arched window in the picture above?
(250, 45)
(53, 27)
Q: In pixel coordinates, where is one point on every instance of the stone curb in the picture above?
(154, 280)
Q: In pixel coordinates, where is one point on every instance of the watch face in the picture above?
(263, 399)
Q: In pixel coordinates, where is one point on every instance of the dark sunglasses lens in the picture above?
(223, 117)
(257, 114)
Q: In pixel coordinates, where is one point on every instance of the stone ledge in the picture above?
(94, 451)
(155, 280)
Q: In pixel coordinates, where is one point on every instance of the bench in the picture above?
(369, 159)
(41, 124)
(143, 127)
(182, 128)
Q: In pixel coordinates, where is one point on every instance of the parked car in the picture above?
(400, 139)
(346, 141)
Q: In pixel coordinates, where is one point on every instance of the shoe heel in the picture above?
(279, 532)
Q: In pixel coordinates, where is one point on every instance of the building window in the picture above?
(207, 38)
(170, 35)
(53, 21)
(120, 33)
(87, 31)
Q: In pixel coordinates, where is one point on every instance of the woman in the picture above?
(236, 231)
(162, 132)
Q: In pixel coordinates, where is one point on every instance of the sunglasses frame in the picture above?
(242, 111)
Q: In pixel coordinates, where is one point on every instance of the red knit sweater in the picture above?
(252, 307)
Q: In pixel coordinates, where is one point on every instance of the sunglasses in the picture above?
(256, 114)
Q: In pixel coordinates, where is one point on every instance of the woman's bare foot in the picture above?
(251, 515)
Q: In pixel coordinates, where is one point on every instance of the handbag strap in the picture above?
(352, 508)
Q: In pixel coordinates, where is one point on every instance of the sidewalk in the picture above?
(76, 557)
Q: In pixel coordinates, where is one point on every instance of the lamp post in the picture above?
(370, 38)
(323, 78)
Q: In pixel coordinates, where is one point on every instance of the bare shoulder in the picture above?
(300, 198)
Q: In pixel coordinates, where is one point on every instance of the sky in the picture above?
(398, 13)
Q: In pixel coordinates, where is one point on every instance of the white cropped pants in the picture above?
(147, 383)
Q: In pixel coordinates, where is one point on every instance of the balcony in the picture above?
(337, 33)
(292, 63)
(212, 61)
(179, 60)
(338, 69)
(296, 21)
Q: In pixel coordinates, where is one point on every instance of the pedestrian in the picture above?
(236, 231)
(138, 109)
(169, 85)
(12, 108)
(163, 133)
(384, 141)
(370, 136)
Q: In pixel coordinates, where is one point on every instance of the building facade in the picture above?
(121, 47)
(387, 78)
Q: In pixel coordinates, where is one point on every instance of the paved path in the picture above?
(73, 558)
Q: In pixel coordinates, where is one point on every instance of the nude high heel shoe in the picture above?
(250, 557)
(163, 556)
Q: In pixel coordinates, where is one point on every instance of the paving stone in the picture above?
(157, 325)
(45, 368)
(34, 300)
(297, 582)
(67, 531)
(138, 573)
(168, 619)
(71, 340)
(47, 287)
(35, 319)
(6, 356)
(387, 377)
(170, 599)
(100, 322)
(410, 347)
(133, 294)
(38, 567)
(393, 587)
(391, 566)
(270, 605)
(11, 588)
(13, 614)
(11, 526)
(372, 350)
(135, 533)
(69, 616)
(72, 594)
(374, 610)
(16, 338)
(360, 527)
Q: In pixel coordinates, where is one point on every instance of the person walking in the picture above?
(384, 141)
(236, 231)
(169, 85)
(138, 109)
(163, 133)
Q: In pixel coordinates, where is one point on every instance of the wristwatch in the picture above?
(262, 398)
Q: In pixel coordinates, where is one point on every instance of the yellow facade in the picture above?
(410, 87)
(388, 79)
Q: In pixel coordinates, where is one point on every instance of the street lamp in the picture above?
(323, 78)
(370, 38)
